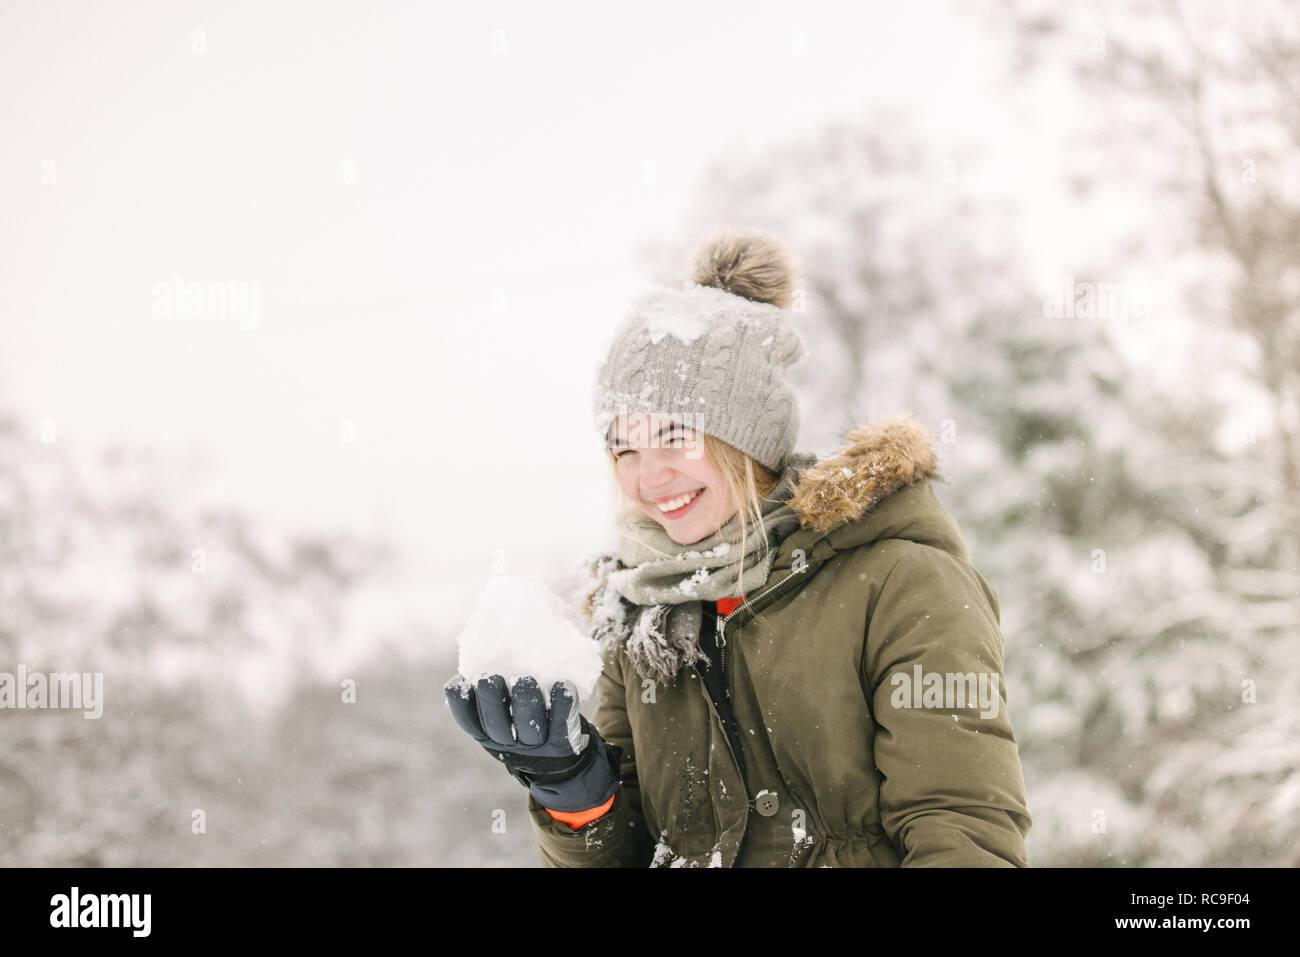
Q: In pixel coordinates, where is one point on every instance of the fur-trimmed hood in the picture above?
(878, 485)
(876, 460)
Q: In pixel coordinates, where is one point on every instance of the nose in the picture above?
(655, 472)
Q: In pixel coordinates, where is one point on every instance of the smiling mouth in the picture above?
(676, 505)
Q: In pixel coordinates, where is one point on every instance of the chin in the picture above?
(684, 537)
(676, 535)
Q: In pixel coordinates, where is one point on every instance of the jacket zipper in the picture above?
(747, 603)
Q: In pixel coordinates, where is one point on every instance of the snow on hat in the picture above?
(712, 352)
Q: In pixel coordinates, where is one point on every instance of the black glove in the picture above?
(560, 757)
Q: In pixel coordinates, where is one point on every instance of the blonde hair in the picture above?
(748, 481)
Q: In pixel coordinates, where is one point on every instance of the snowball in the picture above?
(519, 627)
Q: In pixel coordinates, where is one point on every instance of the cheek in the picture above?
(627, 479)
(721, 497)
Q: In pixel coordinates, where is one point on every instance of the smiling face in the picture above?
(661, 465)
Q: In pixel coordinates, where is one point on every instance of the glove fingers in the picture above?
(459, 693)
(566, 721)
(494, 709)
(528, 710)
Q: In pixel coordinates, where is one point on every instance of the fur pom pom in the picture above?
(746, 262)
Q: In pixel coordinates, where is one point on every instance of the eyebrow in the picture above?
(615, 442)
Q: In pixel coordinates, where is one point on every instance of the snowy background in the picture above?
(431, 218)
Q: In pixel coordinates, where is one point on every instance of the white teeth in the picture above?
(678, 502)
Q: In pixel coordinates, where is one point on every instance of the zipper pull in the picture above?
(722, 629)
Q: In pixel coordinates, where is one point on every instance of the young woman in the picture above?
(801, 666)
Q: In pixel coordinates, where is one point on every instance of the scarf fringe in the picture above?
(657, 651)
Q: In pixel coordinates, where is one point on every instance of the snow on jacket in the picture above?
(855, 674)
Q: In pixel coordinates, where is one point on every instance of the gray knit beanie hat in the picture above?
(712, 352)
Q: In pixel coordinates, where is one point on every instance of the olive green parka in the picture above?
(856, 675)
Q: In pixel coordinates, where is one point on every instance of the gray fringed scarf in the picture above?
(652, 595)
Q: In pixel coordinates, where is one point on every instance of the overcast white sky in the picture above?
(440, 207)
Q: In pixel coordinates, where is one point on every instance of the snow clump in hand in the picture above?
(520, 627)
